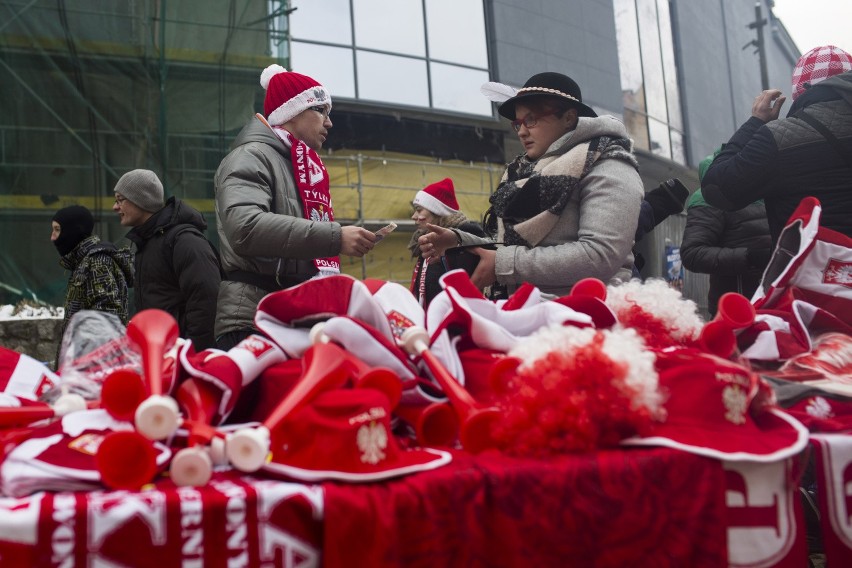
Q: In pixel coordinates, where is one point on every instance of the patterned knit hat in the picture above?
(819, 64)
(438, 198)
(289, 93)
(142, 188)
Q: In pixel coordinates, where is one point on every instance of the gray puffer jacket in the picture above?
(261, 225)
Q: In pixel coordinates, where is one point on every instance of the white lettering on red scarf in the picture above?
(313, 186)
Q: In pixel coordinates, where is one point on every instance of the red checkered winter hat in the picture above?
(438, 198)
(289, 93)
(819, 64)
(345, 434)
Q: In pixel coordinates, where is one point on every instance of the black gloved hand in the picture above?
(758, 257)
(667, 199)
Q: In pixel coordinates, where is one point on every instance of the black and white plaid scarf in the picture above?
(532, 195)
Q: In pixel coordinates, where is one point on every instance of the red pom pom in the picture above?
(573, 401)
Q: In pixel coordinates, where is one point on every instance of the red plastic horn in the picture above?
(378, 378)
(734, 312)
(155, 332)
(121, 394)
(126, 460)
(718, 338)
(193, 465)
(435, 424)
(12, 416)
(591, 287)
(476, 420)
(326, 366)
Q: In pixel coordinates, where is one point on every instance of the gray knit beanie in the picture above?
(142, 188)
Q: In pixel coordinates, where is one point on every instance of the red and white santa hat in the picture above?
(719, 409)
(438, 198)
(345, 435)
(819, 64)
(289, 93)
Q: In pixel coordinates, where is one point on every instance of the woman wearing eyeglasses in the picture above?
(567, 208)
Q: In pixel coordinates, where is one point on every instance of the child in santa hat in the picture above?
(436, 205)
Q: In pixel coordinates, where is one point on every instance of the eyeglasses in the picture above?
(529, 121)
(323, 110)
(120, 200)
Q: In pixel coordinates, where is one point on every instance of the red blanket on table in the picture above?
(613, 508)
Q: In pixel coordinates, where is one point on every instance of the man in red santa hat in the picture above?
(273, 208)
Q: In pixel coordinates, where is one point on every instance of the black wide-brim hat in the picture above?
(548, 84)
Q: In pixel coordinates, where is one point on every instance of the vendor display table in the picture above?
(634, 507)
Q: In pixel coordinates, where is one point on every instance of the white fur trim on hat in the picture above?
(313, 95)
(433, 205)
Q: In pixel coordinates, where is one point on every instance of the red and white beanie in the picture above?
(289, 93)
(438, 198)
(819, 64)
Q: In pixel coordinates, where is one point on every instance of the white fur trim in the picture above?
(311, 97)
(433, 205)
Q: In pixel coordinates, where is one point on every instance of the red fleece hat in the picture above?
(438, 198)
(345, 435)
(722, 410)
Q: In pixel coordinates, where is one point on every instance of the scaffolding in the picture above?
(94, 88)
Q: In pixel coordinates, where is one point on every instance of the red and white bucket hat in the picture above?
(287, 316)
(718, 409)
(345, 435)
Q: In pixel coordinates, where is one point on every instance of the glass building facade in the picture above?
(396, 52)
(649, 77)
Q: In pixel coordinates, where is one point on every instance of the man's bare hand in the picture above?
(356, 241)
(436, 242)
(485, 273)
(767, 105)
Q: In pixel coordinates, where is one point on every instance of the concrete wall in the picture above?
(38, 338)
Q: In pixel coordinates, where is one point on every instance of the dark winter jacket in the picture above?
(453, 258)
(786, 160)
(717, 242)
(100, 276)
(177, 270)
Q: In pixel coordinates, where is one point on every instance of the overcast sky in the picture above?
(817, 22)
